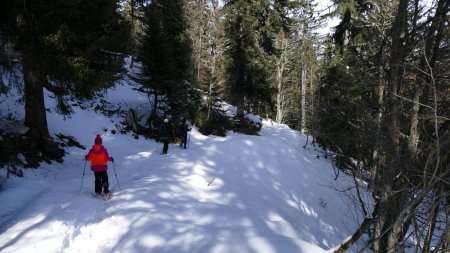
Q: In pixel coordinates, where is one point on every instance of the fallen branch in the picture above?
(354, 238)
(211, 181)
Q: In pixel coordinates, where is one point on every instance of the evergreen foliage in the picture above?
(208, 44)
(380, 100)
(73, 41)
(249, 47)
(379, 104)
(345, 118)
(67, 47)
(251, 28)
(217, 123)
(296, 67)
(166, 56)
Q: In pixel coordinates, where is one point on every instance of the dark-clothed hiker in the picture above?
(99, 157)
(164, 135)
(184, 129)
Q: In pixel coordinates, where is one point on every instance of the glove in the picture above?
(112, 159)
(86, 157)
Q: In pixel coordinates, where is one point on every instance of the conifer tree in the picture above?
(134, 14)
(375, 91)
(64, 46)
(166, 55)
(247, 72)
(296, 67)
(208, 40)
(251, 28)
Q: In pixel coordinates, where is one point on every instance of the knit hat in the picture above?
(98, 139)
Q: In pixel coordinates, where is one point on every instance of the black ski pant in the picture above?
(166, 146)
(101, 181)
(183, 141)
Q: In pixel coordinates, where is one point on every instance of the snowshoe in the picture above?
(106, 196)
(103, 196)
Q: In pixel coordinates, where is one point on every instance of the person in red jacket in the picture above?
(99, 157)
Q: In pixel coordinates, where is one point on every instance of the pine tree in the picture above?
(166, 55)
(68, 43)
(296, 67)
(208, 42)
(250, 34)
(134, 14)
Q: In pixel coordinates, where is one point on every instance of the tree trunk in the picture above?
(443, 241)
(380, 92)
(303, 105)
(354, 238)
(414, 135)
(133, 31)
(428, 60)
(281, 62)
(199, 56)
(40, 140)
(210, 88)
(279, 116)
(284, 93)
(432, 219)
(209, 101)
(155, 104)
(392, 199)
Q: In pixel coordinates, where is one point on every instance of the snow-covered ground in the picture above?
(234, 194)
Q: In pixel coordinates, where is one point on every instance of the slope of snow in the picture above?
(238, 193)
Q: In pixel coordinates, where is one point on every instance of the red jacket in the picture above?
(98, 155)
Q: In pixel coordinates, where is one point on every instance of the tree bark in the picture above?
(354, 238)
(281, 63)
(392, 198)
(303, 98)
(36, 117)
(428, 60)
(443, 241)
(432, 219)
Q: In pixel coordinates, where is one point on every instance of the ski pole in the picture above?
(82, 177)
(114, 167)
(188, 139)
(174, 139)
(156, 147)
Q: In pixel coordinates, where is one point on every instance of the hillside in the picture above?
(237, 193)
